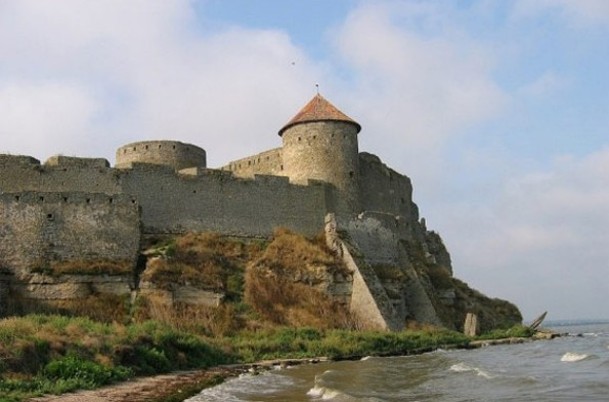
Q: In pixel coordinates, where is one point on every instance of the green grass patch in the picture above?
(517, 331)
(56, 354)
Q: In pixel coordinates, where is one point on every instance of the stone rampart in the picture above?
(268, 162)
(193, 199)
(41, 229)
(59, 174)
(369, 303)
(76, 162)
(383, 189)
(213, 200)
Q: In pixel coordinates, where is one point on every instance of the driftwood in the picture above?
(537, 322)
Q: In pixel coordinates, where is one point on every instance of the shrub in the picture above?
(86, 372)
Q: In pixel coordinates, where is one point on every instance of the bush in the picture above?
(517, 331)
(86, 372)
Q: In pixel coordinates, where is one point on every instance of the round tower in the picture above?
(168, 153)
(320, 143)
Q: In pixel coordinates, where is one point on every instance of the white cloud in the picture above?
(153, 73)
(545, 229)
(416, 87)
(44, 118)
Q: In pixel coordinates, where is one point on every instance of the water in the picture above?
(572, 368)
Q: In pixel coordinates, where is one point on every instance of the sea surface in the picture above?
(570, 368)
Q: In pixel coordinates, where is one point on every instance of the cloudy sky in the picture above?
(497, 110)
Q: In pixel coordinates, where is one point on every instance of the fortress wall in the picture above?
(215, 200)
(269, 162)
(75, 162)
(40, 228)
(383, 189)
(59, 173)
(376, 236)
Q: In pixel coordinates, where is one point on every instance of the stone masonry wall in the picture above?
(214, 200)
(383, 189)
(197, 199)
(268, 162)
(59, 174)
(40, 228)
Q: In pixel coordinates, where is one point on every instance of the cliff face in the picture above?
(288, 280)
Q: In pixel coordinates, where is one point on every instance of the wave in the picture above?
(324, 393)
(464, 368)
(571, 357)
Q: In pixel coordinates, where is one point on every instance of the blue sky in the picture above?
(497, 110)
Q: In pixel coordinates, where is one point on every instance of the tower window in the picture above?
(351, 174)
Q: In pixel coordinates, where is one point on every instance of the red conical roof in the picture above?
(319, 109)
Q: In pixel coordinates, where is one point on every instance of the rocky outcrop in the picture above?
(408, 273)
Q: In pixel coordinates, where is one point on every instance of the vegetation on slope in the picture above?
(281, 286)
(274, 308)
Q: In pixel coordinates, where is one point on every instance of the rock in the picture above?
(470, 328)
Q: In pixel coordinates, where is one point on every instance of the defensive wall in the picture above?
(208, 199)
(40, 229)
(193, 199)
(216, 200)
(268, 162)
(58, 174)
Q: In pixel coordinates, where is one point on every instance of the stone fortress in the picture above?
(72, 210)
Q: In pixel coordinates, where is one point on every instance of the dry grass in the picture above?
(210, 321)
(100, 307)
(204, 260)
(270, 288)
(283, 302)
(84, 267)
